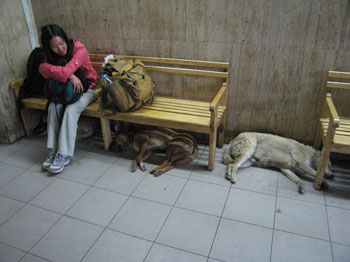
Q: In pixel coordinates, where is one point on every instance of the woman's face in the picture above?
(58, 45)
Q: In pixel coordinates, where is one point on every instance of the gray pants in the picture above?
(61, 135)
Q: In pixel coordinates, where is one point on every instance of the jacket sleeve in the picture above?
(61, 73)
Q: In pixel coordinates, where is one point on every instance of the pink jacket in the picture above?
(80, 59)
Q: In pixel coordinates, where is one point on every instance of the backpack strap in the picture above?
(120, 68)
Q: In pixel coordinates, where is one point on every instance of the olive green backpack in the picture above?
(126, 85)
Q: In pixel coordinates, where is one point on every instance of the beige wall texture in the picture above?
(279, 50)
(14, 49)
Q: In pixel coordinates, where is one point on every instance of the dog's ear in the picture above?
(121, 142)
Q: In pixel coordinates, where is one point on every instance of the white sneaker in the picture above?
(59, 163)
(49, 160)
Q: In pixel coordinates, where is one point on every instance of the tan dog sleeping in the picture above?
(266, 150)
(179, 148)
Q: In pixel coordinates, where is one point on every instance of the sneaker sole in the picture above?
(46, 166)
(58, 170)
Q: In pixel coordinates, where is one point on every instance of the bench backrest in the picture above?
(183, 78)
(220, 68)
(343, 76)
(338, 86)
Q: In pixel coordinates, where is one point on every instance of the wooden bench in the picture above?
(333, 129)
(206, 117)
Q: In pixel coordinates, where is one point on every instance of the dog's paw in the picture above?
(231, 178)
(133, 168)
(142, 167)
(301, 188)
(157, 173)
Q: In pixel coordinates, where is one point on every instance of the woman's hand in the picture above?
(78, 86)
(40, 69)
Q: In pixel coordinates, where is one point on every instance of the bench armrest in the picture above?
(16, 85)
(332, 124)
(333, 115)
(98, 92)
(220, 99)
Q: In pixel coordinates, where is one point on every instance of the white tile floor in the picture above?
(97, 210)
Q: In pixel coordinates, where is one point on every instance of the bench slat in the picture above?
(170, 61)
(182, 71)
(192, 113)
(181, 106)
(337, 74)
(185, 71)
(181, 110)
(332, 84)
(40, 103)
(182, 101)
(175, 110)
(170, 108)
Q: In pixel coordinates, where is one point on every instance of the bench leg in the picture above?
(322, 168)
(30, 118)
(28, 126)
(326, 150)
(106, 132)
(212, 149)
(221, 136)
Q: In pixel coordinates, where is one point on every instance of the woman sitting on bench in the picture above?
(63, 58)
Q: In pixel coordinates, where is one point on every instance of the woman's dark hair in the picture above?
(47, 33)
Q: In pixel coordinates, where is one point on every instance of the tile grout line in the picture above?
(106, 227)
(61, 215)
(90, 186)
(220, 219)
(20, 173)
(45, 259)
(274, 217)
(25, 202)
(58, 220)
(306, 236)
(171, 210)
(329, 230)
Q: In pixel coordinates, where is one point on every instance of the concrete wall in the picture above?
(14, 49)
(279, 50)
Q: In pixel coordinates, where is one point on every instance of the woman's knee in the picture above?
(72, 113)
(55, 110)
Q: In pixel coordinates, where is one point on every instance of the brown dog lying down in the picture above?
(266, 150)
(179, 148)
